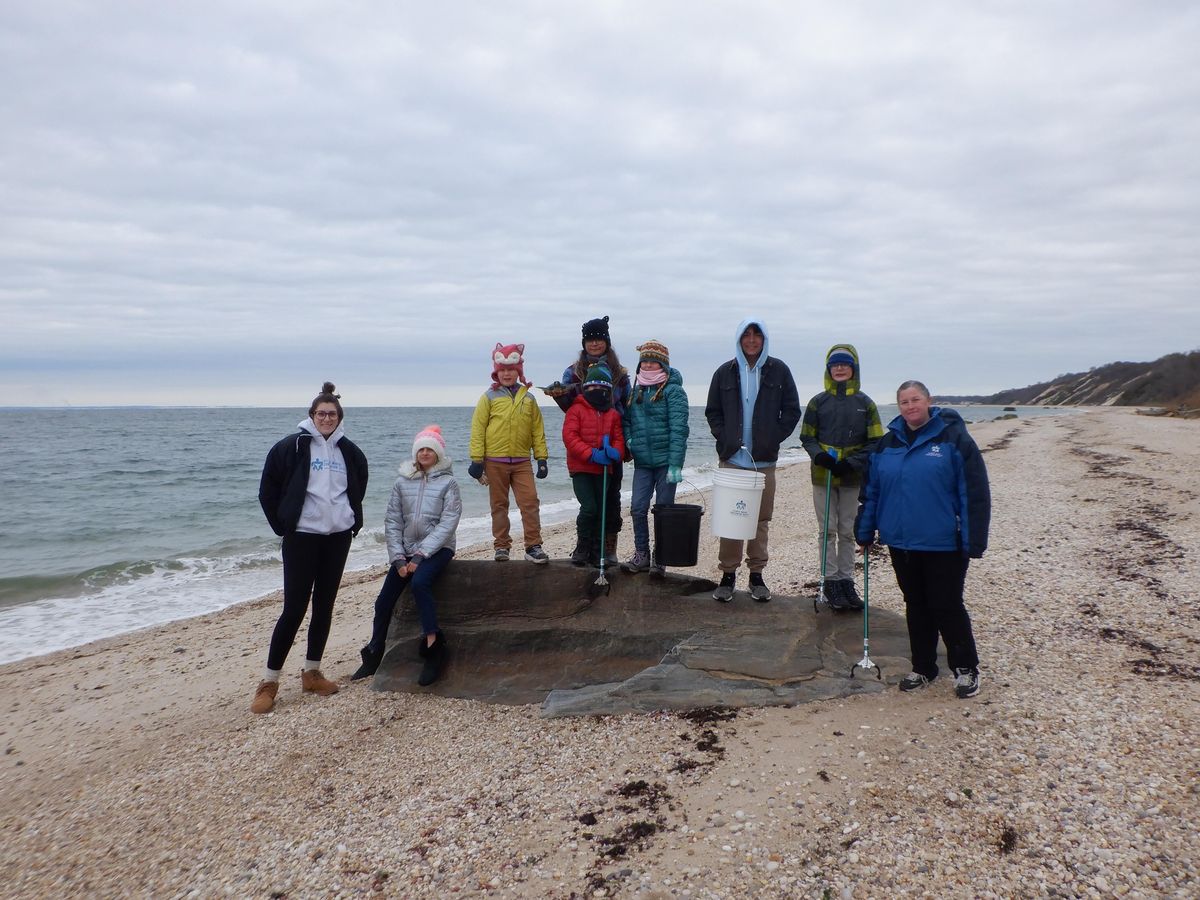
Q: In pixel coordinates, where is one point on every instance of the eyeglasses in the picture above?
(322, 414)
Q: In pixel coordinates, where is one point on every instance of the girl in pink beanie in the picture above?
(420, 526)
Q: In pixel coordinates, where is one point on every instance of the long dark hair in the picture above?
(614, 366)
(328, 395)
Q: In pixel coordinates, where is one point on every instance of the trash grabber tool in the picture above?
(821, 598)
(600, 585)
(865, 663)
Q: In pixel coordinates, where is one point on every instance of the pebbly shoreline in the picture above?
(132, 766)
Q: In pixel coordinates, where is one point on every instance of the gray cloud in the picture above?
(205, 198)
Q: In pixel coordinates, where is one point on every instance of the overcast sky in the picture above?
(228, 202)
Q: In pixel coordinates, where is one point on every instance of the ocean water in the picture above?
(120, 518)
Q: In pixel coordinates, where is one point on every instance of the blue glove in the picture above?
(599, 457)
(475, 470)
(674, 474)
(613, 453)
(542, 471)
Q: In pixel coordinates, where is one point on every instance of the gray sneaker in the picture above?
(657, 571)
(501, 555)
(639, 562)
(724, 591)
(966, 683)
(536, 554)
(758, 588)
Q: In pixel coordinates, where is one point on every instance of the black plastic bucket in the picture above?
(676, 533)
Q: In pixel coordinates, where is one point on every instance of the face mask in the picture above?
(598, 399)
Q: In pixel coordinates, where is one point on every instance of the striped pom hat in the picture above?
(598, 375)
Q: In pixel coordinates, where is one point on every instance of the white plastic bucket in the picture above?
(736, 497)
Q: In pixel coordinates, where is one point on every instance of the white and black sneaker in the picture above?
(914, 681)
(536, 554)
(966, 683)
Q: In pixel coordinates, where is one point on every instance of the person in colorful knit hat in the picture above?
(656, 432)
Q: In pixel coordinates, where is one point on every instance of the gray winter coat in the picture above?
(422, 516)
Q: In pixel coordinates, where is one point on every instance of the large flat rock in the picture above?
(520, 633)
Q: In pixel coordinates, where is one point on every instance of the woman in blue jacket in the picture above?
(927, 495)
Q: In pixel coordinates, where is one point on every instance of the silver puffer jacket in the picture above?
(422, 516)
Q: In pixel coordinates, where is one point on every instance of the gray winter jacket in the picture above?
(422, 516)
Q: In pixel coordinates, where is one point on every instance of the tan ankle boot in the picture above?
(315, 683)
(264, 697)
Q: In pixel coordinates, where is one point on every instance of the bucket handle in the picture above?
(696, 489)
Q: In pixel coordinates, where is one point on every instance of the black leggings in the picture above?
(312, 569)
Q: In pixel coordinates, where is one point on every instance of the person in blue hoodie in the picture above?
(753, 407)
(927, 496)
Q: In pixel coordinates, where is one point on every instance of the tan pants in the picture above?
(729, 556)
(501, 477)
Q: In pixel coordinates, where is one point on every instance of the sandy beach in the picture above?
(133, 767)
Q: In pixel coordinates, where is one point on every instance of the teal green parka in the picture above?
(656, 422)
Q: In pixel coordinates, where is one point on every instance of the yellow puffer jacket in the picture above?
(507, 425)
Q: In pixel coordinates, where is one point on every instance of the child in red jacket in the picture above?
(594, 441)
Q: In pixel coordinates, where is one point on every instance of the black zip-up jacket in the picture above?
(284, 481)
(776, 410)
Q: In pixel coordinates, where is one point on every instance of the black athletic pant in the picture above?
(932, 584)
(312, 570)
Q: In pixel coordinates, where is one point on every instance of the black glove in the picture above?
(475, 470)
(824, 460)
(543, 470)
(842, 468)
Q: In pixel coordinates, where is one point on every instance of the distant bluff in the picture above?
(1173, 382)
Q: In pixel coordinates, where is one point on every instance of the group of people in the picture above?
(919, 487)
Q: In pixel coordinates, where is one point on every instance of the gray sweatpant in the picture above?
(843, 507)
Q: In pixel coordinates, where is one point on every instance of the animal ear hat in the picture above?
(509, 356)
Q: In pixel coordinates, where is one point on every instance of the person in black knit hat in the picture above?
(597, 348)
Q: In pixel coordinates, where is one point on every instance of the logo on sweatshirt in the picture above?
(320, 465)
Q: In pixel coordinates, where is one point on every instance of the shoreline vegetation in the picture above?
(133, 766)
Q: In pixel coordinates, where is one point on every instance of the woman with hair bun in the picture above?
(312, 488)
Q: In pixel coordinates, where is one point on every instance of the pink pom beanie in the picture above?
(430, 436)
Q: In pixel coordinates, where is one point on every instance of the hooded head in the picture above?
(755, 327)
(508, 356)
(842, 353)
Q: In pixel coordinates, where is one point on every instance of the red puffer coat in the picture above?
(584, 429)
